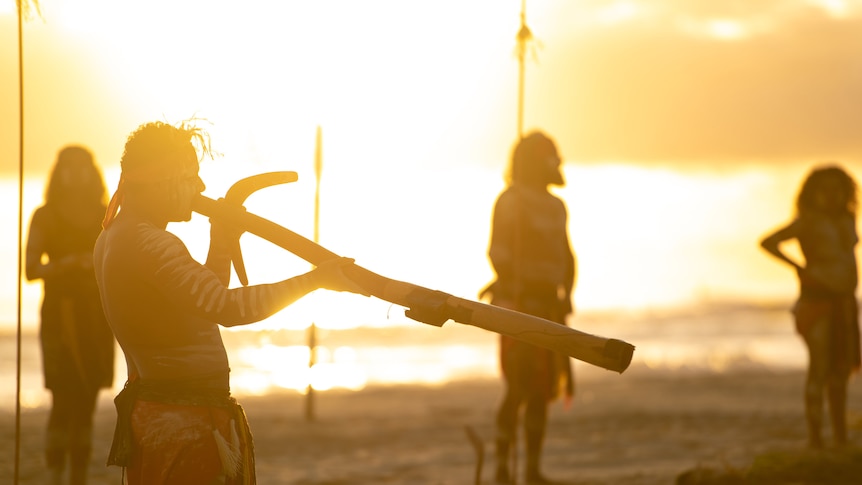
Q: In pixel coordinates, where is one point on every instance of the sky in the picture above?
(716, 81)
(685, 127)
(658, 81)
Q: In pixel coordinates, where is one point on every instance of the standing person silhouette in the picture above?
(77, 344)
(176, 421)
(826, 311)
(535, 274)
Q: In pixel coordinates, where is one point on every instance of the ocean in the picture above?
(708, 338)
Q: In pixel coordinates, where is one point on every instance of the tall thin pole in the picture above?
(318, 170)
(20, 234)
(312, 329)
(524, 36)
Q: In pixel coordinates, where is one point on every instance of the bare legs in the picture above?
(69, 433)
(535, 421)
(822, 377)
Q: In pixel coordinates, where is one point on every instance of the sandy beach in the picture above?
(640, 428)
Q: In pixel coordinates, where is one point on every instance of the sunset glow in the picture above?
(685, 129)
(677, 134)
(726, 29)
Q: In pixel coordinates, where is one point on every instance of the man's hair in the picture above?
(152, 144)
(806, 199)
(71, 158)
(528, 160)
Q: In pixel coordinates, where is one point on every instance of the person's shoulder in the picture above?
(41, 211)
(547, 198)
(143, 236)
(505, 194)
(41, 215)
(150, 236)
(509, 191)
(809, 219)
(153, 246)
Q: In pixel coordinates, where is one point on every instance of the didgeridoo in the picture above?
(432, 306)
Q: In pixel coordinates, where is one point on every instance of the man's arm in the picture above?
(197, 289)
(502, 248)
(219, 254)
(33, 266)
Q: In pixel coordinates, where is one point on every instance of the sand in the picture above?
(639, 428)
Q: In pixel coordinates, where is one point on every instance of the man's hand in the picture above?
(224, 249)
(224, 236)
(330, 275)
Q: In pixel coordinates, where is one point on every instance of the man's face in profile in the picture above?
(184, 186)
(555, 172)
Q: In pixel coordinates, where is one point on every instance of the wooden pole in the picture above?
(312, 329)
(310, 415)
(431, 306)
(20, 234)
(524, 36)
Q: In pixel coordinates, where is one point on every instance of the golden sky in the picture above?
(717, 80)
(664, 111)
(434, 83)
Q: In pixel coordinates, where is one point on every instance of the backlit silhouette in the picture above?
(77, 345)
(177, 422)
(826, 312)
(535, 269)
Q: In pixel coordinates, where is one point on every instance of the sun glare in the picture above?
(296, 65)
(258, 369)
(726, 29)
(80, 17)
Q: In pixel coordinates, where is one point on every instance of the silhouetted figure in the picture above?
(177, 423)
(77, 345)
(535, 269)
(826, 312)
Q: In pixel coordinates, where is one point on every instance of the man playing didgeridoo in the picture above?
(177, 423)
